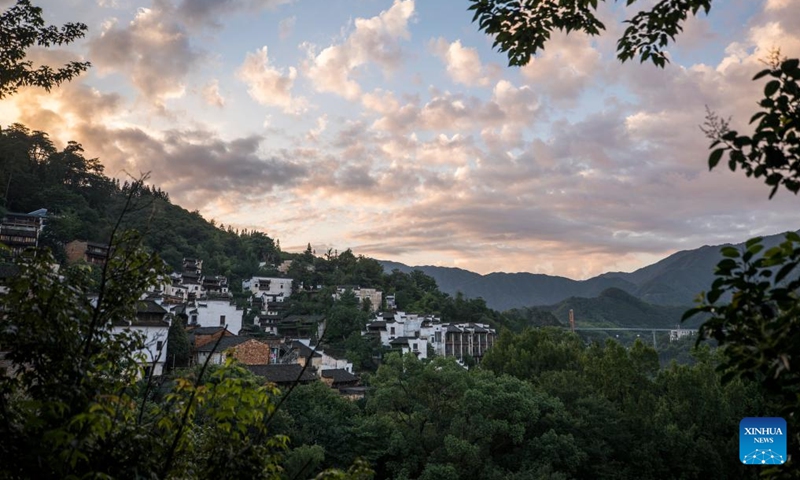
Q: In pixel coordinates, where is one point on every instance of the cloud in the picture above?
(508, 106)
(568, 64)
(463, 64)
(211, 94)
(373, 40)
(207, 13)
(153, 50)
(268, 85)
(286, 27)
(322, 124)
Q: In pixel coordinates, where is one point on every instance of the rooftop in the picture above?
(285, 374)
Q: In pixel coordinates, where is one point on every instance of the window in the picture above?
(392, 331)
(159, 345)
(222, 320)
(437, 337)
(414, 347)
(194, 318)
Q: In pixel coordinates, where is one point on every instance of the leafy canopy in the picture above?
(773, 151)
(522, 27)
(23, 28)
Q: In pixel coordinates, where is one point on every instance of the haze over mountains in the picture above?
(673, 281)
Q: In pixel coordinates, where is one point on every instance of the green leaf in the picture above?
(753, 241)
(715, 157)
(730, 252)
(771, 88)
(784, 271)
(789, 65)
(762, 73)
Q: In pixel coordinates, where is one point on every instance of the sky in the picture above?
(394, 129)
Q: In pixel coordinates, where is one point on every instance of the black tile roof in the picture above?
(224, 343)
(339, 375)
(207, 330)
(149, 306)
(283, 374)
(303, 318)
(305, 350)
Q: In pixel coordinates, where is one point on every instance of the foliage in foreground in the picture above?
(73, 403)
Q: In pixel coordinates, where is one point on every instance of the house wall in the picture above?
(218, 358)
(421, 349)
(433, 333)
(280, 288)
(375, 297)
(209, 313)
(251, 352)
(154, 337)
(75, 250)
(330, 363)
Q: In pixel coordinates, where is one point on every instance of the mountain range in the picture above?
(674, 281)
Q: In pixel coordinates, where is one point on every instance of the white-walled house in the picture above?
(152, 322)
(414, 333)
(374, 296)
(331, 363)
(215, 312)
(275, 289)
(416, 345)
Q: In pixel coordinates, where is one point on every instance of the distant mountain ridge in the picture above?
(674, 281)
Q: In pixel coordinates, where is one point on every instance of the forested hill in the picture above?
(673, 281)
(84, 204)
(616, 308)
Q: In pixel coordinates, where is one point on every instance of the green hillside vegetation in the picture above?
(616, 308)
(84, 204)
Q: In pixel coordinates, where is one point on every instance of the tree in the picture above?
(22, 27)
(178, 347)
(773, 151)
(522, 27)
(759, 328)
(75, 401)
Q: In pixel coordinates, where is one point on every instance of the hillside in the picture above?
(677, 279)
(615, 308)
(673, 281)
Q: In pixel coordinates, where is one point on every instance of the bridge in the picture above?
(622, 329)
(677, 331)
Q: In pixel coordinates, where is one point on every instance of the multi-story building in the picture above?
(273, 289)
(89, 252)
(153, 323)
(374, 296)
(19, 231)
(408, 332)
(213, 312)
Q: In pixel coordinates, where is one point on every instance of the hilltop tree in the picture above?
(22, 28)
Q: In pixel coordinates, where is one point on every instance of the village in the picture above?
(281, 347)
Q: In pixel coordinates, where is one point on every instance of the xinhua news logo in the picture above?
(762, 441)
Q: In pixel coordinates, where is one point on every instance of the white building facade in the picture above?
(275, 289)
(215, 313)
